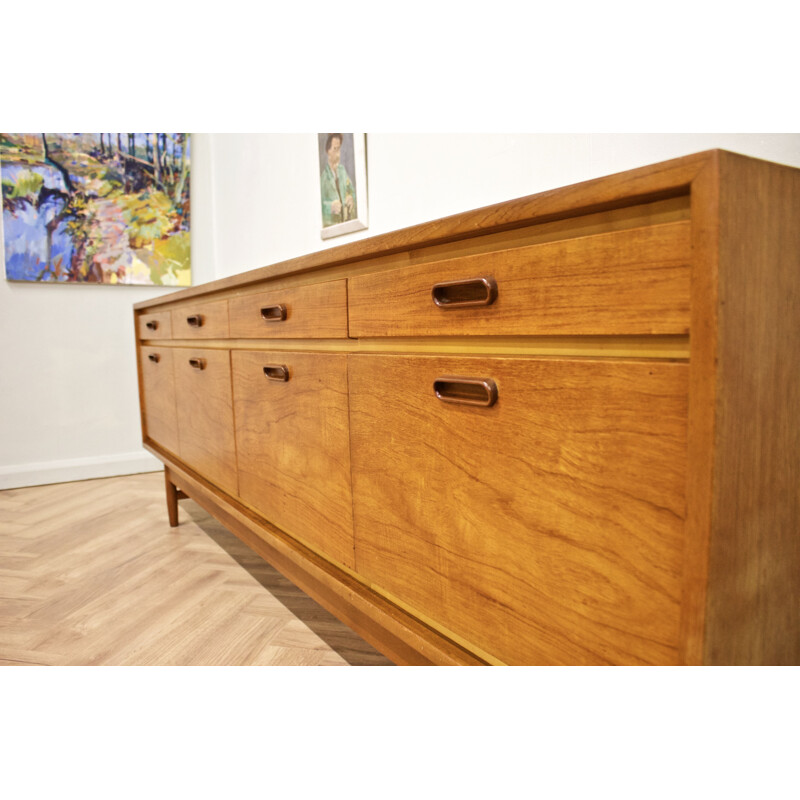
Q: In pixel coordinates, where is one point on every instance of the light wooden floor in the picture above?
(92, 574)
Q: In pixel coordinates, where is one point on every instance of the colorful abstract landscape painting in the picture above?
(108, 208)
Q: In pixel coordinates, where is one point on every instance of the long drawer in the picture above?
(627, 282)
(533, 507)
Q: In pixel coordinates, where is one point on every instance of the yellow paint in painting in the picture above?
(139, 271)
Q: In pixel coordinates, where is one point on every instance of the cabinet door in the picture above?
(159, 415)
(293, 448)
(545, 528)
(205, 414)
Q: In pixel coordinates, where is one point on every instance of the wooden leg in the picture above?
(172, 500)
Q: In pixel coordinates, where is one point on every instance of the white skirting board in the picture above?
(77, 469)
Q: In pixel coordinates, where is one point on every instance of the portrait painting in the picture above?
(101, 208)
(343, 182)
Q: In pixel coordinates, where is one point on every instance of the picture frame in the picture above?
(343, 183)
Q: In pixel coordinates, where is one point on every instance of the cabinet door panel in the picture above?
(545, 528)
(292, 440)
(158, 395)
(205, 414)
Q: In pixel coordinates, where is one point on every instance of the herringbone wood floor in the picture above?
(92, 574)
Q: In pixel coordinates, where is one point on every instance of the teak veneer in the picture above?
(558, 430)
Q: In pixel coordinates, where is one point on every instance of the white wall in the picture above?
(68, 393)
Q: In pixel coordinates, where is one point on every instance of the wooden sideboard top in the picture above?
(641, 185)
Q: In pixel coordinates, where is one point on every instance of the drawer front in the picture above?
(155, 326)
(201, 321)
(304, 312)
(158, 397)
(205, 414)
(628, 282)
(546, 528)
(292, 438)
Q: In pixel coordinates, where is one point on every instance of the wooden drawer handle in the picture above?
(277, 372)
(466, 391)
(196, 320)
(465, 294)
(197, 363)
(154, 357)
(274, 313)
(152, 325)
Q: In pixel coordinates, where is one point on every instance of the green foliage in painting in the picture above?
(150, 216)
(27, 185)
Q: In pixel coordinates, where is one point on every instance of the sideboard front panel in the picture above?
(545, 528)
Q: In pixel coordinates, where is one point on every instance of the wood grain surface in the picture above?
(318, 311)
(547, 529)
(293, 444)
(627, 282)
(753, 605)
(205, 415)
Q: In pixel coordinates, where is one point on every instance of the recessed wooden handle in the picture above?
(275, 313)
(154, 357)
(152, 325)
(277, 372)
(196, 320)
(466, 391)
(197, 363)
(465, 294)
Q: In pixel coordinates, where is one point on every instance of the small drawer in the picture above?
(201, 321)
(630, 282)
(318, 311)
(155, 326)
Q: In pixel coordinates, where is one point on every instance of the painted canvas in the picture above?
(104, 208)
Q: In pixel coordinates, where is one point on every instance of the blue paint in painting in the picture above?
(25, 231)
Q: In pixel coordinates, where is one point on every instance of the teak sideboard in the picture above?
(558, 430)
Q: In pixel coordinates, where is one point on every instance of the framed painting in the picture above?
(102, 208)
(342, 182)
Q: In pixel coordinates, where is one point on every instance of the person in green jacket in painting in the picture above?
(338, 191)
